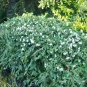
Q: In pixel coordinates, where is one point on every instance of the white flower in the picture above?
(51, 52)
(30, 30)
(83, 63)
(61, 69)
(22, 49)
(83, 34)
(37, 44)
(79, 60)
(18, 28)
(73, 55)
(24, 44)
(74, 66)
(86, 36)
(80, 42)
(23, 40)
(74, 45)
(71, 31)
(55, 55)
(26, 33)
(65, 53)
(50, 44)
(29, 43)
(53, 27)
(54, 36)
(60, 46)
(48, 39)
(62, 43)
(67, 58)
(81, 31)
(67, 23)
(58, 67)
(40, 33)
(43, 36)
(31, 40)
(70, 47)
(77, 38)
(64, 30)
(20, 39)
(6, 25)
(27, 40)
(78, 49)
(45, 65)
(24, 24)
(50, 59)
(73, 41)
(59, 33)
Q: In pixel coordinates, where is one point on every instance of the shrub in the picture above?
(64, 9)
(74, 11)
(43, 51)
(80, 20)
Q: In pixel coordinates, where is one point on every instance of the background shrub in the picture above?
(3, 6)
(74, 11)
(80, 20)
(43, 51)
(64, 9)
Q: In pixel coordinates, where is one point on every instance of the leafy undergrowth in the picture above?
(42, 51)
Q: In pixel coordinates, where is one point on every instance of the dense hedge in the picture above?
(42, 51)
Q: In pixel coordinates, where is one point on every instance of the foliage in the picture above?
(15, 7)
(3, 6)
(80, 23)
(62, 8)
(80, 20)
(32, 6)
(43, 51)
(12, 8)
(73, 10)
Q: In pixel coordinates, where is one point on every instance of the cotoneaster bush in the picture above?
(42, 51)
